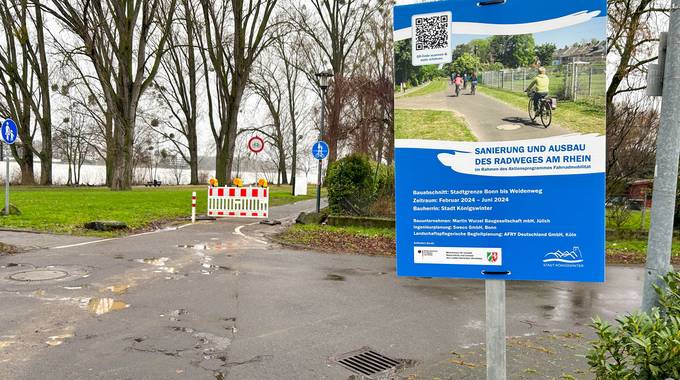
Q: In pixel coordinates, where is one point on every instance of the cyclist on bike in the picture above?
(541, 86)
(473, 83)
(458, 82)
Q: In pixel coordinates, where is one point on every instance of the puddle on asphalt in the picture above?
(212, 246)
(117, 289)
(175, 314)
(57, 340)
(99, 306)
(159, 262)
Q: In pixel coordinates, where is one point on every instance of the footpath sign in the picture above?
(512, 198)
(9, 131)
(8, 134)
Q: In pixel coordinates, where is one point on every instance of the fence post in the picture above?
(566, 81)
(524, 78)
(590, 82)
(512, 80)
(193, 207)
(575, 81)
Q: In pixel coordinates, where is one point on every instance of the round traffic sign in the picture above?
(9, 131)
(256, 144)
(320, 150)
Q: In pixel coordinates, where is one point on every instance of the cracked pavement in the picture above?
(215, 300)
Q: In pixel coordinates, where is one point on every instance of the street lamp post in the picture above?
(323, 78)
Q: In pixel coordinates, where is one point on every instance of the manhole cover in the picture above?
(39, 275)
(368, 363)
(508, 127)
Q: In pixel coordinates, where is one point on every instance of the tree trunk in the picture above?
(123, 148)
(282, 164)
(25, 162)
(193, 154)
(110, 151)
(293, 165)
(45, 120)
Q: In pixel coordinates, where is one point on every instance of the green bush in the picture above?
(385, 180)
(350, 183)
(644, 345)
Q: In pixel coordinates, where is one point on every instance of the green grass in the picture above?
(577, 116)
(430, 125)
(638, 249)
(633, 222)
(352, 230)
(436, 85)
(66, 210)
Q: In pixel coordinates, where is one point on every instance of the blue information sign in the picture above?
(517, 197)
(9, 131)
(320, 150)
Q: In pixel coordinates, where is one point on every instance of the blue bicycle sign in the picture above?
(320, 150)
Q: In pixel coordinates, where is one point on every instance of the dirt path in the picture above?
(487, 118)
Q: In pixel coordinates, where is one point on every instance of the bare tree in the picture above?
(125, 41)
(23, 62)
(267, 84)
(235, 36)
(177, 85)
(334, 28)
(286, 50)
(631, 149)
(72, 138)
(631, 43)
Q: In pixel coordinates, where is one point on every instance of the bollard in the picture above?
(193, 207)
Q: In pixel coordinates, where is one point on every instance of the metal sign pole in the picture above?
(667, 152)
(321, 134)
(495, 330)
(6, 182)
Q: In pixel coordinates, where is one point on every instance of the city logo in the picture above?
(570, 257)
(492, 256)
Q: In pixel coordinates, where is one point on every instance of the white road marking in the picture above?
(237, 231)
(124, 237)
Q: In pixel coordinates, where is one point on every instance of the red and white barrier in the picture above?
(240, 202)
(193, 207)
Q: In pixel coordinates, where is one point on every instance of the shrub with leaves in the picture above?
(351, 184)
(643, 346)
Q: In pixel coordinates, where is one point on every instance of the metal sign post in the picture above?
(8, 134)
(495, 329)
(664, 81)
(319, 151)
(6, 183)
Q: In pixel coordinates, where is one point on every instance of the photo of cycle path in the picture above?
(569, 63)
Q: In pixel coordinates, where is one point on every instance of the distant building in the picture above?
(586, 52)
(641, 190)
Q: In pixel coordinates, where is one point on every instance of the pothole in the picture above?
(39, 275)
(508, 127)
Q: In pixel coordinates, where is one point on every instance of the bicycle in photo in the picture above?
(544, 110)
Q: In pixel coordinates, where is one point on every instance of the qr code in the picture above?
(432, 32)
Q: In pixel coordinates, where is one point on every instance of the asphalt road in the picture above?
(217, 301)
(487, 118)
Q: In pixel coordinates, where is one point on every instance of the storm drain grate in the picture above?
(368, 363)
